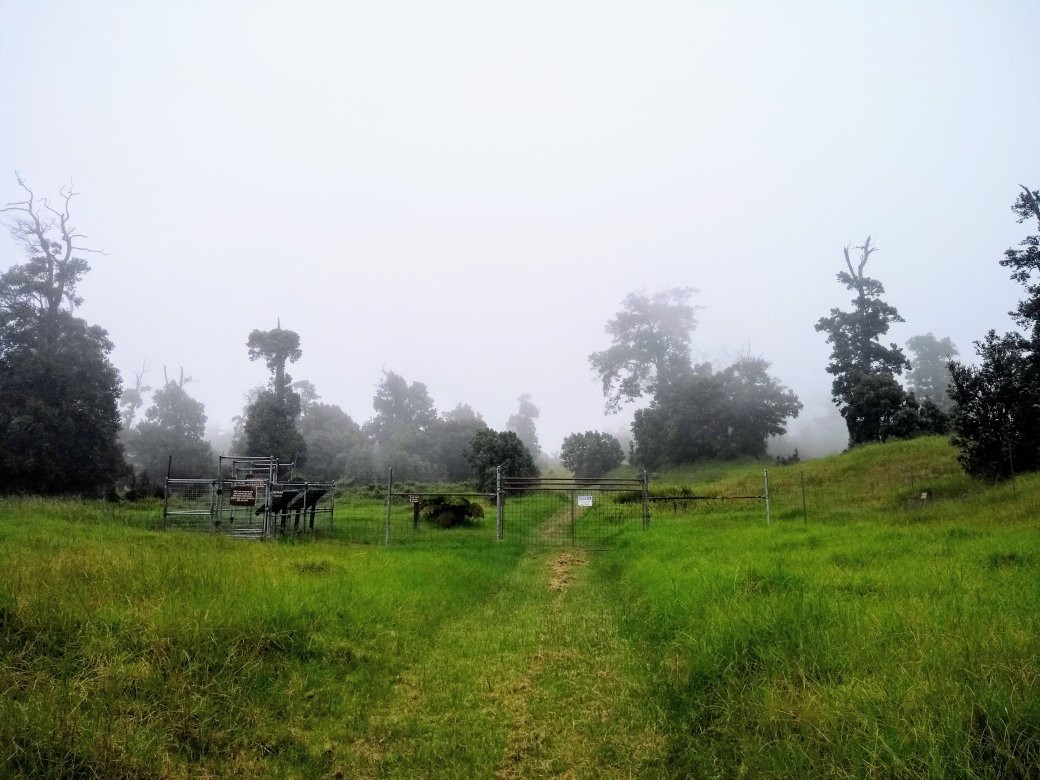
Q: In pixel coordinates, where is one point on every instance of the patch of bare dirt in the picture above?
(561, 570)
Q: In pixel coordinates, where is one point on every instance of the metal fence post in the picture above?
(805, 510)
(214, 505)
(166, 501)
(499, 502)
(765, 477)
(646, 500)
(389, 498)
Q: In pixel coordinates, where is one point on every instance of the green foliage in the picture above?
(995, 420)
(489, 449)
(59, 420)
(275, 347)
(929, 375)
(399, 406)
(174, 427)
(270, 427)
(650, 345)
(59, 423)
(714, 415)
(450, 511)
(449, 438)
(591, 454)
(863, 368)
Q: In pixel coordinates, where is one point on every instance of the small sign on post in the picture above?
(584, 500)
(413, 498)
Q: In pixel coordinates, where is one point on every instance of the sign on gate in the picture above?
(242, 495)
(584, 500)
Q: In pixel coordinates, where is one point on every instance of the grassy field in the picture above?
(872, 633)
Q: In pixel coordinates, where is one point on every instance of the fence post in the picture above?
(646, 500)
(499, 505)
(805, 511)
(165, 501)
(389, 498)
(765, 478)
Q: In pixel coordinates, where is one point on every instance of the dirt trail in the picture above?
(561, 569)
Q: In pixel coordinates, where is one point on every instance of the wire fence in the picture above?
(390, 514)
(589, 513)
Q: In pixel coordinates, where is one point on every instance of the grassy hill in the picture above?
(872, 633)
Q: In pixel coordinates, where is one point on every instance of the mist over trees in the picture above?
(650, 345)
(996, 416)
(59, 419)
(62, 416)
(707, 414)
(335, 443)
(929, 375)
(522, 424)
(172, 435)
(695, 413)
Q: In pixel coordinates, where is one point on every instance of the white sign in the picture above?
(584, 500)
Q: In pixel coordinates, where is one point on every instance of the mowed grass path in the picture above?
(129, 652)
(882, 638)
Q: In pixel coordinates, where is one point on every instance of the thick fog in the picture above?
(463, 193)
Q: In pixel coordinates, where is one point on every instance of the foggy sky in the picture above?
(463, 193)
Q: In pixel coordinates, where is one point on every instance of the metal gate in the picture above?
(569, 511)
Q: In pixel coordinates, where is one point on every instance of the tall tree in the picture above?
(270, 419)
(400, 406)
(857, 354)
(522, 424)
(929, 375)
(276, 347)
(650, 345)
(490, 449)
(591, 454)
(996, 413)
(59, 419)
(173, 433)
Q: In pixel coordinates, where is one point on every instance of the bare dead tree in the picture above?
(1031, 201)
(132, 398)
(866, 250)
(180, 382)
(54, 269)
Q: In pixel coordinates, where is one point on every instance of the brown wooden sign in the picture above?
(243, 495)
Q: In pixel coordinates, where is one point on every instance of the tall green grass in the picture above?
(883, 635)
(889, 636)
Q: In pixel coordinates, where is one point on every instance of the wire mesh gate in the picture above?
(571, 511)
